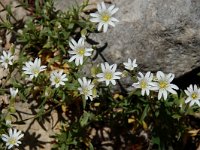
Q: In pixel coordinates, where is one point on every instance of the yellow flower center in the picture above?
(81, 51)
(105, 17)
(108, 76)
(163, 84)
(85, 91)
(57, 80)
(143, 84)
(35, 71)
(12, 140)
(194, 95)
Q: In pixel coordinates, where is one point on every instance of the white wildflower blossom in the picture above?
(13, 138)
(144, 83)
(8, 122)
(108, 74)
(130, 65)
(79, 51)
(6, 59)
(104, 16)
(193, 94)
(58, 78)
(86, 88)
(33, 68)
(13, 92)
(163, 84)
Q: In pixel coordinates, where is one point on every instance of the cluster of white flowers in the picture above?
(104, 18)
(162, 84)
(13, 137)
(57, 77)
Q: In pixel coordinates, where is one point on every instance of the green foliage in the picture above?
(46, 35)
(49, 30)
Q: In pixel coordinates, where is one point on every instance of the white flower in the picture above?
(13, 92)
(130, 65)
(108, 73)
(86, 88)
(8, 122)
(163, 84)
(6, 59)
(104, 16)
(13, 138)
(58, 78)
(78, 51)
(193, 94)
(144, 82)
(33, 68)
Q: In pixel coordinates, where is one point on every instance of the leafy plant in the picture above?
(50, 70)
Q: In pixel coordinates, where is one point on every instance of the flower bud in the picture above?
(12, 109)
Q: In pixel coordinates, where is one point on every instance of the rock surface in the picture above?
(19, 13)
(37, 133)
(160, 34)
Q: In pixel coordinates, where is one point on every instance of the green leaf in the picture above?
(22, 96)
(48, 44)
(156, 140)
(157, 113)
(63, 147)
(8, 9)
(37, 6)
(85, 118)
(176, 116)
(72, 86)
(145, 112)
(91, 146)
(70, 26)
(62, 48)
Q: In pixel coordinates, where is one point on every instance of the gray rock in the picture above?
(19, 13)
(65, 4)
(160, 34)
